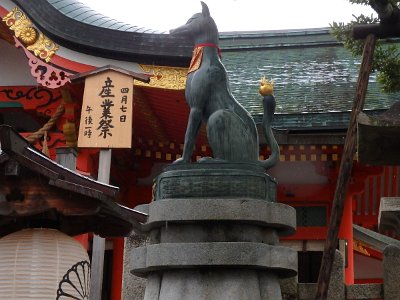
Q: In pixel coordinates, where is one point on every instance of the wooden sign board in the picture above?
(106, 116)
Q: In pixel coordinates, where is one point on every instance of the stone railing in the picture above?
(291, 289)
(389, 290)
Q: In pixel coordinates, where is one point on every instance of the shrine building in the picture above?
(51, 48)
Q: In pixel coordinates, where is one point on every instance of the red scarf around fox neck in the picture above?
(197, 56)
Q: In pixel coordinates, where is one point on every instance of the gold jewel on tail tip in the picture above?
(266, 87)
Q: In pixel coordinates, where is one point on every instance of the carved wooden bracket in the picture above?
(34, 40)
(45, 74)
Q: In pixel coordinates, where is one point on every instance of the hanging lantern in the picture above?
(43, 264)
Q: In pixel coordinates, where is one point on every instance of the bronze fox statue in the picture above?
(231, 131)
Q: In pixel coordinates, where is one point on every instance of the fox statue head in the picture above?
(200, 27)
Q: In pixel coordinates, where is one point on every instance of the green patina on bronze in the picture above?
(231, 131)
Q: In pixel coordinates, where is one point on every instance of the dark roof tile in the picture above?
(93, 18)
(72, 7)
(315, 76)
(117, 25)
(318, 80)
(100, 21)
(76, 12)
(85, 14)
(82, 13)
(80, 28)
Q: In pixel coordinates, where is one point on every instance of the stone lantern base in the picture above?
(214, 231)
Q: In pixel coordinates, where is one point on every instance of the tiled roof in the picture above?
(93, 202)
(73, 25)
(374, 239)
(80, 12)
(315, 77)
(276, 38)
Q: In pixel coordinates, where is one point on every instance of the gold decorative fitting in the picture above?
(266, 87)
(360, 247)
(43, 48)
(171, 78)
(37, 42)
(28, 35)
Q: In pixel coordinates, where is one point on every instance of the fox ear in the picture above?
(205, 11)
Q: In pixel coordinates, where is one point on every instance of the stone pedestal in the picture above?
(214, 232)
(391, 276)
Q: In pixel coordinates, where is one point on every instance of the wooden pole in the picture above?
(98, 247)
(345, 170)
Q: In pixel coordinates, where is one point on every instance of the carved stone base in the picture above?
(208, 244)
(213, 179)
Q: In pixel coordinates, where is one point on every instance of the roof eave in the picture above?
(148, 48)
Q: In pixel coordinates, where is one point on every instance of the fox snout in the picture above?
(173, 32)
(182, 30)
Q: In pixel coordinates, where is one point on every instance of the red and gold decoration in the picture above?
(172, 78)
(45, 74)
(36, 42)
(197, 56)
(29, 36)
(196, 59)
(38, 49)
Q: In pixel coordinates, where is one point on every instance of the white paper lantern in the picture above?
(43, 264)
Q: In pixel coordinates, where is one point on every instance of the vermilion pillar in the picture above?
(83, 239)
(346, 233)
(117, 268)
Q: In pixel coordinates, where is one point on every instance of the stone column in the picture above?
(66, 156)
(213, 234)
(336, 290)
(391, 274)
(133, 287)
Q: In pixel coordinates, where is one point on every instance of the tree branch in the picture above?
(387, 11)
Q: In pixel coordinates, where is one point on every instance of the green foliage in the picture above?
(386, 61)
(388, 66)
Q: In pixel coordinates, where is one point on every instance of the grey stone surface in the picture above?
(133, 287)
(215, 249)
(217, 232)
(66, 156)
(389, 214)
(269, 286)
(307, 291)
(282, 260)
(364, 291)
(336, 290)
(289, 288)
(223, 246)
(216, 284)
(153, 286)
(267, 214)
(391, 274)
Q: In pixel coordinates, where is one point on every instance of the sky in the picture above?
(232, 15)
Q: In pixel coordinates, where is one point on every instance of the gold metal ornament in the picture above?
(36, 41)
(171, 78)
(266, 87)
(43, 48)
(29, 35)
